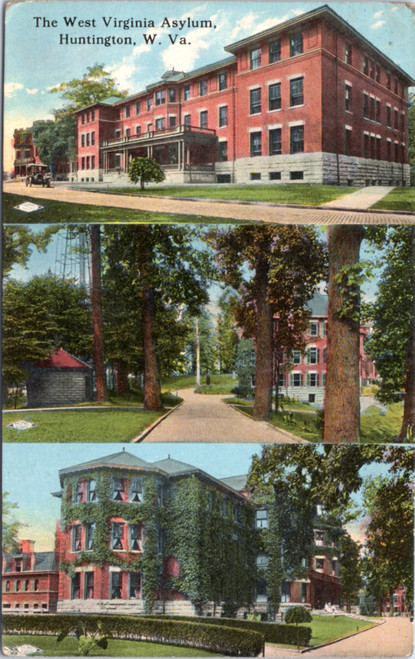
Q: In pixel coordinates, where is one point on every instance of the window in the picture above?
(261, 519)
(348, 53)
(223, 81)
(223, 116)
(76, 538)
(117, 489)
(396, 119)
(83, 118)
(274, 50)
(127, 111)
(312, 380)
(159, 123)
(365, 145)
(296, 355)
(161, 494)
(297, 139)
(88, 585)
(26, 585)
(17, 586)
(117, 133)
(76, 586)
(255, 101)
(275, 141)
(89, 535)
(116, 535)
(186, 119)
(255, 176)
(127, 132)
(296, 379)
(223, 151)
(255, 58)
(296, 92)
(377, 76)
(377, 111)
(388, 81)
(137, 107)
(285, 591)
(91, 493)
(274, 96)
(303, 594)
(138, 130)
(83, 139)
(262, 560)
(18, 565)
(296, 44)
(389, 116)
(320, 564)
(312, 356)
(92, 138)
(87, 162)
(261, 594)
(203, 119)
(365, 65)
(275, 176)
(186, 92)
(334, 569)
(172, 121)
(133, 585)
(388, 150)
(149, 103)
(396, 85)
(202, 88)
(115, 585)
(135, 537)
(348, 142)
(36, 585)
(237, 513)
(256, 144)
(371, 69)
(160, 96)
(313, 328)
(348, 98)
(402, 122)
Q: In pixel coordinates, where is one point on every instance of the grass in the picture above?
(308, 195)
(57, 212)
(399, 199)
(378, 428)
(216, 389)
(116, 648)
(79, 425)
(133, 398)
(329, 628)
(175, 382)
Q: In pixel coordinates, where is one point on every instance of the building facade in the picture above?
(302, 374)
(310, 100)
(25, 152)
(165, 536)
(29, 580)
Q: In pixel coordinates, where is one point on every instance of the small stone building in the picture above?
(61, 379)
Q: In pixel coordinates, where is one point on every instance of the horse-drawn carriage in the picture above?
(39, 175)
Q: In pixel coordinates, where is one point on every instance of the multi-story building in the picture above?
(25, 152)
(166, 536)
(302, 374)
(29, 580)
(308, 100)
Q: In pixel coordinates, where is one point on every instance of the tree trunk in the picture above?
(152, 399)
(121, 379)
(96, 304)
(197, 349)
(407, 430)
(263, 343)
(342, 403)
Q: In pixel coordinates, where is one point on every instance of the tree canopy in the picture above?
(95, 85)
(10, 527)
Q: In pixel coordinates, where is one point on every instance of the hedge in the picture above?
(225, 640)
(272, 632)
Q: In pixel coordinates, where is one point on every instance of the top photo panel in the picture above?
(163, 112)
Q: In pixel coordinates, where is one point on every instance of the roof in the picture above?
(318, 304)
(236, 482)
(331, 16)
(121, 459)
(173, 467)
(45, 561)
(61, 359)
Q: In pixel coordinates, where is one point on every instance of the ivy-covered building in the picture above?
(167, 537)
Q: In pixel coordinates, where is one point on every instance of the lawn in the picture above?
(307, 195)
(175, 382)
(116, 648)
(328, 628)
(215, 389)
(81, 425)
(400, 199)
(57, 212)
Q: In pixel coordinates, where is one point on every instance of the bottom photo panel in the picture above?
(176, 549)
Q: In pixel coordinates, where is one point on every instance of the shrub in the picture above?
(226, 640)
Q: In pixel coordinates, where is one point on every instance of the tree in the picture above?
(208, 347)
(391, 344)
(10, 527)
(350, 569)
(96, 308)
(411, 142)
(342, 404)
(55, 140)
(94, 86)
(145, 170)
(284, 265)
(295, 615)
(88, 639)
(227, 335)
(18, 243)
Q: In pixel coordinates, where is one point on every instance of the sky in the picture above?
(30, 474)
(36, 62)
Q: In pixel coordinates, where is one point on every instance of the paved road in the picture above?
(262, 211)
(392, 639)
(361, 199)
(205, 418)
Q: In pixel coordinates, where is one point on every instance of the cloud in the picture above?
(10, 88)
(378, 14)
(32, 91)
(124, 72)
(377, 25)
(53, 87)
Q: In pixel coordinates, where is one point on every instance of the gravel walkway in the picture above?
(261, 211)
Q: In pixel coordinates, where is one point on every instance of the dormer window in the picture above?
(136, 490)
(117, 489)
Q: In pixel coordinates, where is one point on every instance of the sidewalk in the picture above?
(361, 199)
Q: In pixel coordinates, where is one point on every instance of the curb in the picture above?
(151, 427)
(298, 440)
(337, 640)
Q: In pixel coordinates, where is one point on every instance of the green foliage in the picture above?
(411, 143)
(55, 140)
(10, 527)
(349, 279)
(95, 85)
(296, 614)
(227, 336)
(350, 569)
(88, 640)
(226, 640)
(18, 243)
(145, 170)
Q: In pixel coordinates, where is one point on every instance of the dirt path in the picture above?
(394, 638)
(228, 210)
(206, 418)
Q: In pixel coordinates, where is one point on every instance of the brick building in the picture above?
(29, 580)
(308, 100)
(25, 152)
(302, 375)
(61, 379)
(115, 541)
